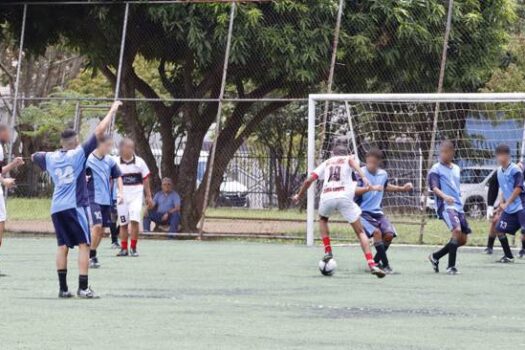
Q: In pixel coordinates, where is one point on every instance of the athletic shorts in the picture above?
(130, 210)
(346, 207)
(100, 214)
(72, 226)
(373, 221)
(456, 220)
(511, 223)
(3, 212)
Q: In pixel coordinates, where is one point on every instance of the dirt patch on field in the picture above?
(226, 227)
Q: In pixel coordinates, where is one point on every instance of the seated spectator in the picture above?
(165, 209)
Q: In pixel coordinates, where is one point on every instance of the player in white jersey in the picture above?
(5, 137)
(135, 178)
(337, 194)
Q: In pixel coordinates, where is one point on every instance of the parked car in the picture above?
(233, 194)
(474, 187)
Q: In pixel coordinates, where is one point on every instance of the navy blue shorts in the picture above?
(456, 220)
(371, 222)
(100, 214)
(72, 227)
(511, 223)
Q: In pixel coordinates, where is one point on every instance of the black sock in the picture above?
(82, 282)
(522, 244)
(62, 280)
(114, 233)
(92, 253)
(442, 252)
(505, 245)
(381, 252)
(387, 245)
(490, 242)
(452, 252)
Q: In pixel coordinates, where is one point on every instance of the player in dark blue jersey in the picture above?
(444, 181)
(512, 218)
(102, 170)
(373, 219)
(69, 206)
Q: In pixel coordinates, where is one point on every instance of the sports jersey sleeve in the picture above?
(518, 178)
(385, 185)
(144, 169)
(319, 171)
(89, 145)
(115, 170)
(433, 178)
(492, 194)
(39, 159)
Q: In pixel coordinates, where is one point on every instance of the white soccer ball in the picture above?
(327, 268)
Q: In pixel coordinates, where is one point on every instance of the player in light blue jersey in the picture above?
(512, 218)
(69, 206)
(102, 170)
(373, 219)
(444, 181)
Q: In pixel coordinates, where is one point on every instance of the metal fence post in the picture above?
(436, 114)
(218, 119)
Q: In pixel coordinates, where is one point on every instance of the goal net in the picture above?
(408, 128)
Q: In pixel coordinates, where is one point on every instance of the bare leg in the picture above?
(325, 236)
(134, 230)
(96, 232)
(124, 233)
(363, 241)
(83, 259)
(61, 257)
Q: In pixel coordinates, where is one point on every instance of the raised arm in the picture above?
(103, 125)
(355, 165)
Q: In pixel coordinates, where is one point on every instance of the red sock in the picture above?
(327, 246)
(133, 244)
(124, 244)
(370, 259)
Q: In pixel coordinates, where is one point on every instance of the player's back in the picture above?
(336, 174)
(99, 172)
(67, 171)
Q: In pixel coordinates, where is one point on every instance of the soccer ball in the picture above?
(327, 268)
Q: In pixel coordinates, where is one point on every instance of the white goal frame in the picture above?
(436, 98)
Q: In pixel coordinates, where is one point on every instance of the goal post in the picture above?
(403, 127)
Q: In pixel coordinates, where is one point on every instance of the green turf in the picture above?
(232, 295)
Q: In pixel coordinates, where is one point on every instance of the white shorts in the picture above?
(130, 210)
(3, 213)
(346, 207)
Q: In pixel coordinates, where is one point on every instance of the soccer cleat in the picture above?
(133, 253)
(86, 293)
(488, 251)
(93, 263)
(506, 260)
(115, 245)
(376, 271)
(434, 262)
(327, 257)
(388, 270)
(452, 271)
(123, 252)
(64, 294)
(521, 253)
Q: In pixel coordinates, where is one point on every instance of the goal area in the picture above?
(408, 129)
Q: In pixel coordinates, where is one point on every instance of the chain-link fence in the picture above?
(215, 93)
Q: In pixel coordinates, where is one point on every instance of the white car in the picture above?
(474, 188)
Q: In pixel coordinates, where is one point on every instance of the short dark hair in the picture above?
(448, 144)
(67, 134)
(375, 153)
(339, 151)
(503, 149)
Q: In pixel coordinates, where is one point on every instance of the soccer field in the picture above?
(235, 295)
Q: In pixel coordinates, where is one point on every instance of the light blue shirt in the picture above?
(447, 179)
(371, 201)
(165, 202)
(68, 173)
(100, 172)
(508, 179)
